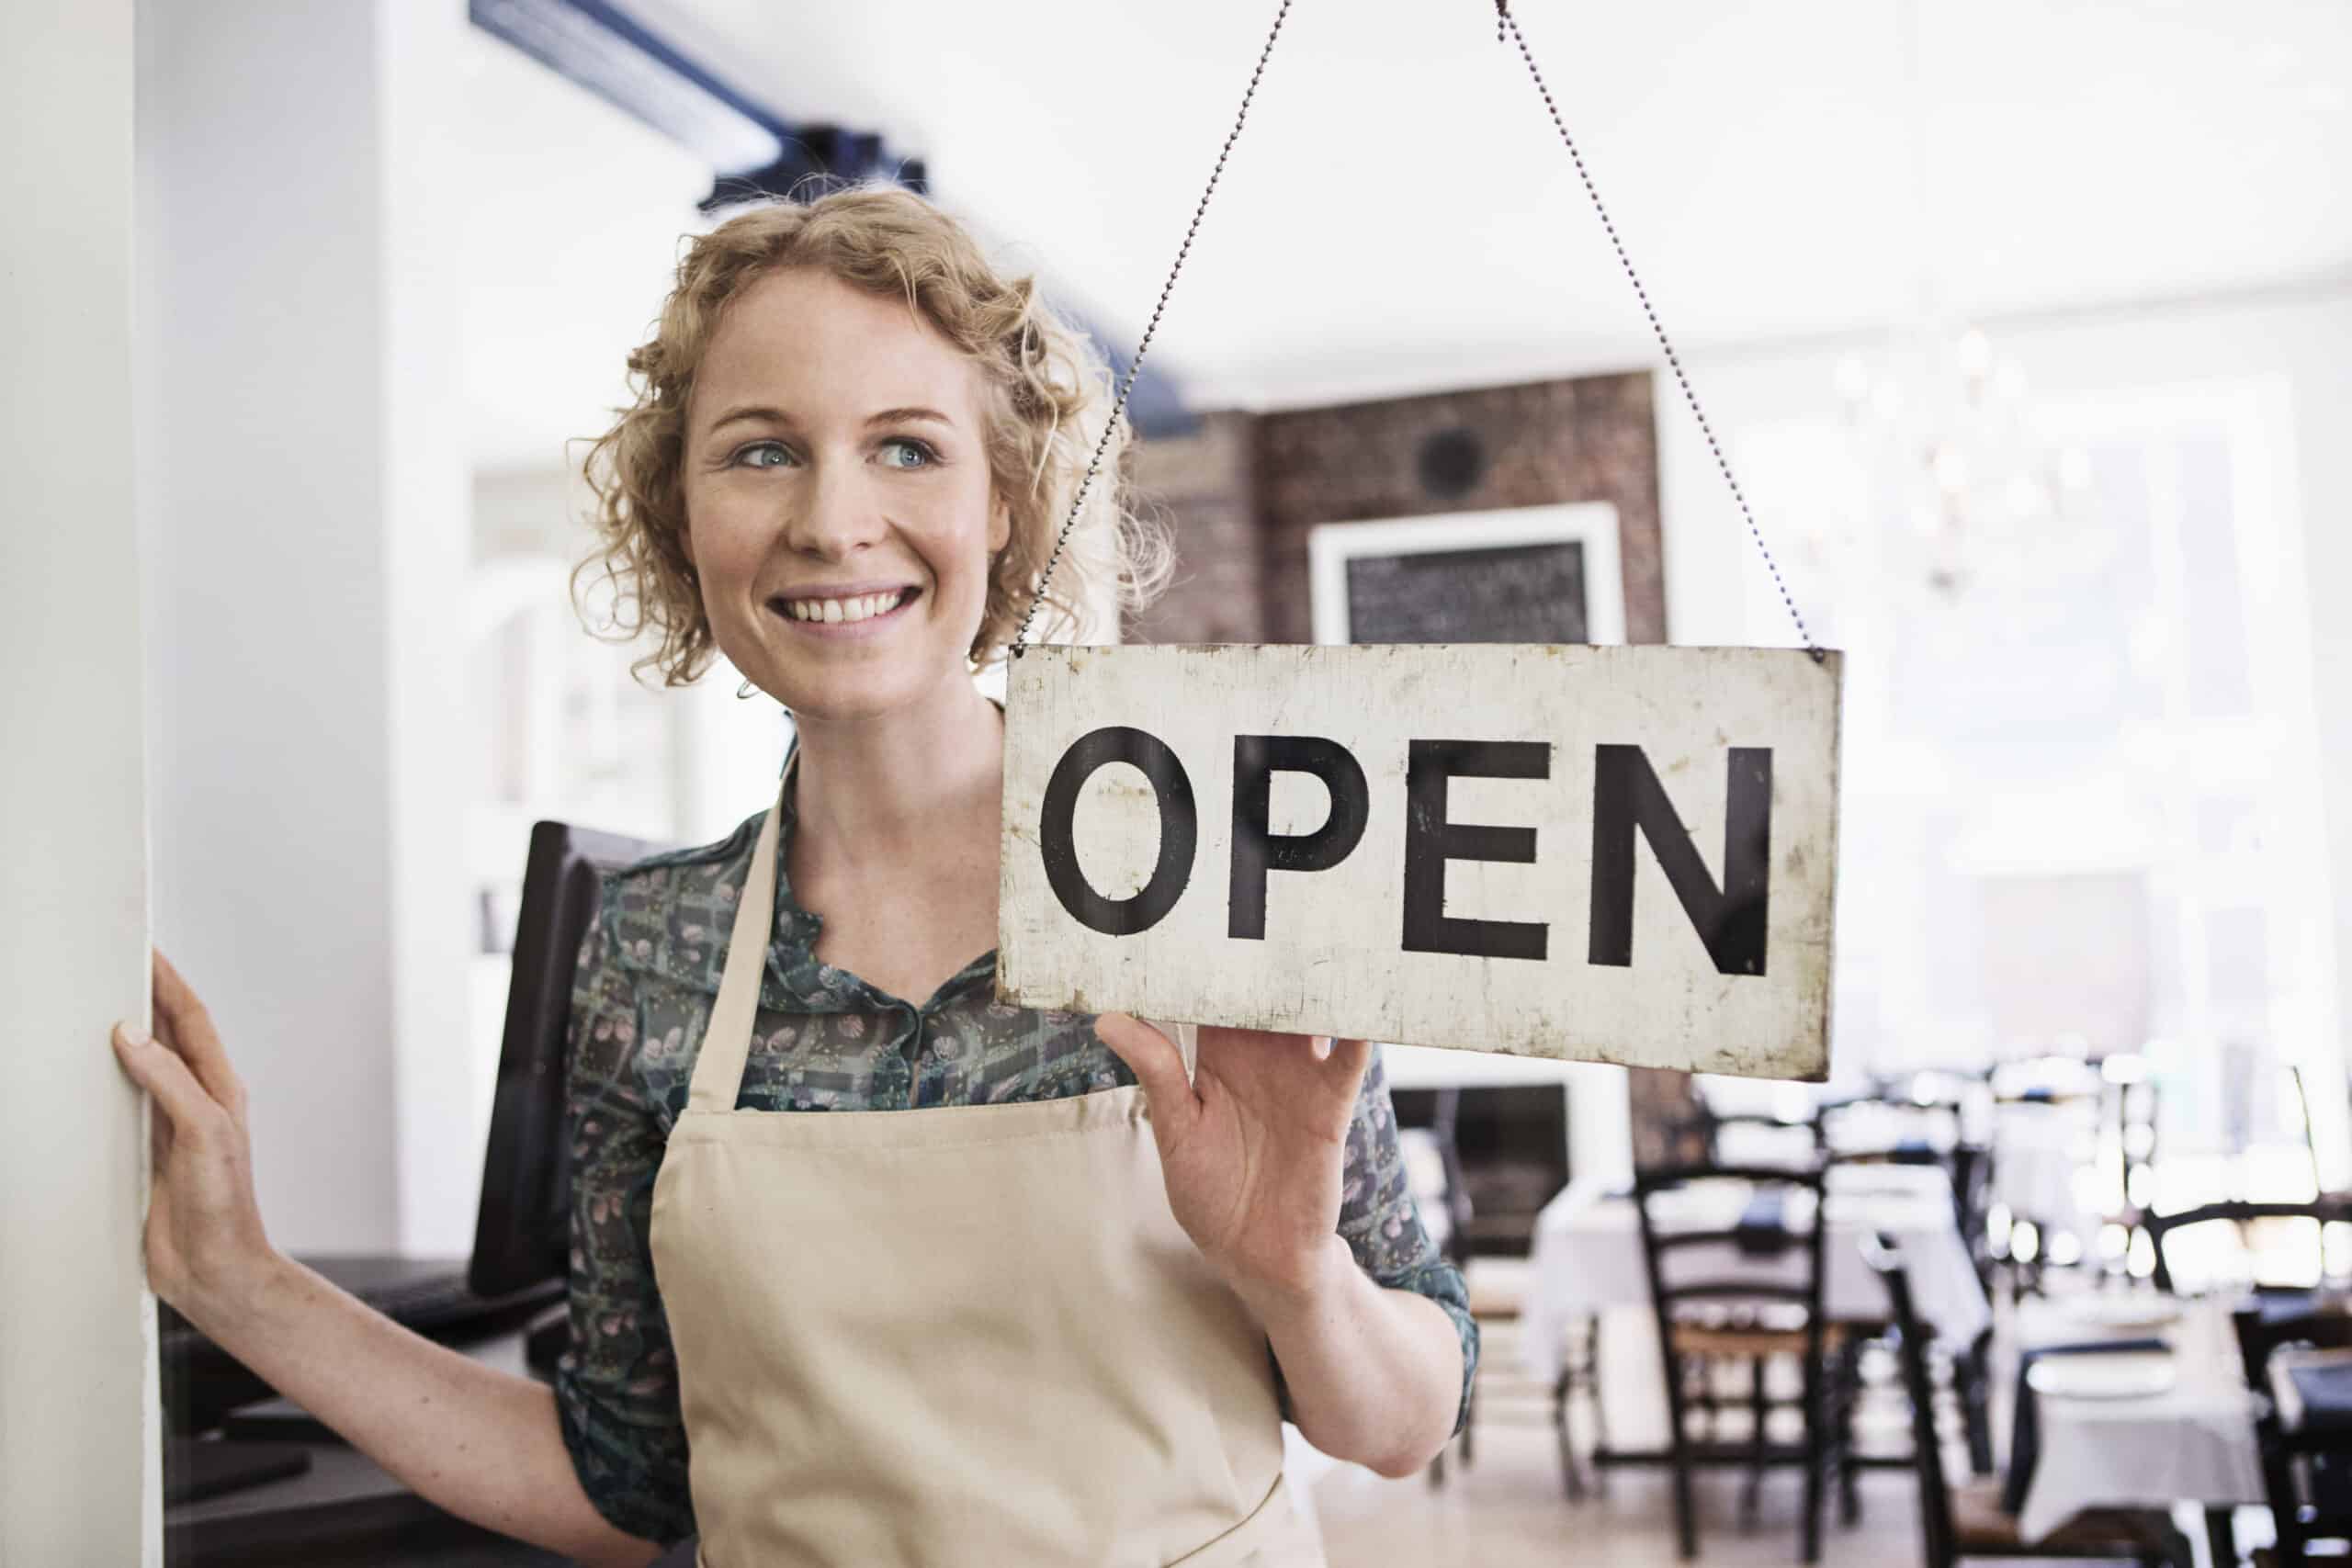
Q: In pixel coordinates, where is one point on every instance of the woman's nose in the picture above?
(835, 512)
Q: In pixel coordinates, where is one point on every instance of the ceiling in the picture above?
(1398, 213)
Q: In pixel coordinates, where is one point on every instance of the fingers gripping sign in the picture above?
(1252, 1144)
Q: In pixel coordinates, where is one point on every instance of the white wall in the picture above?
(79, 1472)
(309, 518)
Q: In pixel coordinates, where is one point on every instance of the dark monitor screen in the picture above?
(522, 1236)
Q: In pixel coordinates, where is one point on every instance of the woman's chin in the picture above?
(846, 691)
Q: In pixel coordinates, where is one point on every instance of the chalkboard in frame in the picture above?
(1527, 574)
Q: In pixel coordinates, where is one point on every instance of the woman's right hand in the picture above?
(205, 1240)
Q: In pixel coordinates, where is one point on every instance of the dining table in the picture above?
(2145, 1428)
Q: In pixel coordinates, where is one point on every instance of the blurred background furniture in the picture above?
(1969, 1520)
(2132, 1399)
(1587, 1261)
(1742, 1288)
(2298, 1357)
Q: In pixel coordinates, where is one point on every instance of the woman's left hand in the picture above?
(1253, 1147)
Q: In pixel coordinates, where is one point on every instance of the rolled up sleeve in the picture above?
(1381, 1225)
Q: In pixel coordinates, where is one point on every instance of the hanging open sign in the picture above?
(1605, 854)
(1608, 854)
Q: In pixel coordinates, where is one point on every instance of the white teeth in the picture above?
(864, 606)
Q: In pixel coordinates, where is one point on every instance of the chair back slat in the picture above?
(1704, 1254)
(1911, 1342)
(2323, 1211)
(1739, 1290)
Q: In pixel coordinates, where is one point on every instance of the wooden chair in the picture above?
(1968, 1521)
(1967, 1168)
(1579, 1374)
(2302, 1509)
(1745, 1308)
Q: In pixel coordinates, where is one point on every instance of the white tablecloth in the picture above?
(2192, 1443)
(1586, 1258)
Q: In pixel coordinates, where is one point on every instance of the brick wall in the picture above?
(1540, 444)
(1203, 486)
(1241, 494)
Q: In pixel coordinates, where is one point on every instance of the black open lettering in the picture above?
(1179, 829)
(1256, 850)
(1626, 796)
(1431, 841)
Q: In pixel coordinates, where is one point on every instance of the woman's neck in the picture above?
(891, 783)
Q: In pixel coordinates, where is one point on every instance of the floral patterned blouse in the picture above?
(823, 1040)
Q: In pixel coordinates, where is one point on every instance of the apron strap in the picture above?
(718, 1080)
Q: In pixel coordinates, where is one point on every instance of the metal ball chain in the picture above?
(1021, 638)
(1503, 18)
(1505, 23)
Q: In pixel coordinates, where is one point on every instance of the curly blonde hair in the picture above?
(1048, 394)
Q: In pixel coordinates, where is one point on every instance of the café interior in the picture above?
(2021, 330)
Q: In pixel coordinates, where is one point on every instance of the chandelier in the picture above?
(1961, 484)
(1955, 459)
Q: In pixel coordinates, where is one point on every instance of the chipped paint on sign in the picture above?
(1604, 854)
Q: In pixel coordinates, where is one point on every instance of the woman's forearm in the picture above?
(479, 1443)
(1375, 1374)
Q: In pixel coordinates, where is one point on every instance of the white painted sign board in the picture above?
(1607, 853)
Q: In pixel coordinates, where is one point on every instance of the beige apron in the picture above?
(956, 1334)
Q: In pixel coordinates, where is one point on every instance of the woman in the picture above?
(1052, 1307)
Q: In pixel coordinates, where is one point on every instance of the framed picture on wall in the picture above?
(1526, 575)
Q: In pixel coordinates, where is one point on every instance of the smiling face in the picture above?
(839, 510)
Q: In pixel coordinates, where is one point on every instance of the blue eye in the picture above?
(914, 445)
(748, 453)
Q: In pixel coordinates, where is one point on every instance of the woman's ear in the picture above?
(999, 527)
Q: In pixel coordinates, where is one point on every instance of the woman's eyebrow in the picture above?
(887, 416)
